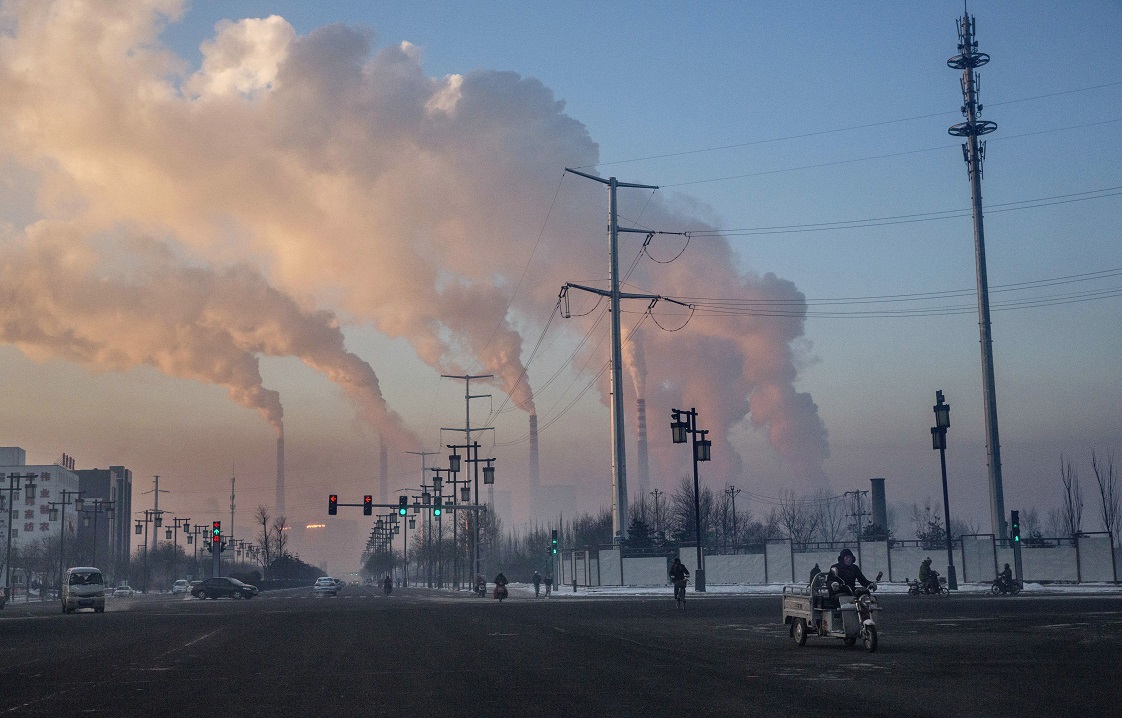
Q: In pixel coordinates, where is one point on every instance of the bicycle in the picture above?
(680, 592)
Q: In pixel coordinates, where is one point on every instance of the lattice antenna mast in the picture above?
(974, 153)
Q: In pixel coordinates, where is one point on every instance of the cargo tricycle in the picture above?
(831, 611)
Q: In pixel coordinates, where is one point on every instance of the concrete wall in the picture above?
(739, 569)
(647, 571)
(1096, 559)
(780, 562)
(976, 561)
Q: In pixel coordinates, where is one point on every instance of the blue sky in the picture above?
(753, 116)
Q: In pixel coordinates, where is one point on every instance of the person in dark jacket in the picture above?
(846, 572)
(814, 572)
(537, 584)
(1006, 577)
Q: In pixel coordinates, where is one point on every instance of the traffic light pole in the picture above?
(1015, 535)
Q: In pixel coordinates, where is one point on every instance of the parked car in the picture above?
(223, 586)
(83, 587)
(180, 586)
(325, 586)
(125, 591)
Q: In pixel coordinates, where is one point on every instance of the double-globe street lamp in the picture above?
(53, 513)
(939, 441)
(683, 427)
(96, 507)
(151, 516)
(472, 451)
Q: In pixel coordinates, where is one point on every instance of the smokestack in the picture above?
(880, 506)
(535, 468)
(644, 464)
(280, 475)
(383, 475)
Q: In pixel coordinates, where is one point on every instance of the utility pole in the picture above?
(619, 449)
(974, 153)
(232, 478)
(732, 491)
(468, 396)
(156, 516)
(858, 512)
(427, 535)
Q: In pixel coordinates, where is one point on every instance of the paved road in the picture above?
(434, 654)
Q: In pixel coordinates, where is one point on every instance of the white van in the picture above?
(83, 587)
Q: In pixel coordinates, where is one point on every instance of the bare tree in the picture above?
(280, 536)
(831, 516)
(798, 517)
(1109, 494)
(1072, 507)
(261, 517)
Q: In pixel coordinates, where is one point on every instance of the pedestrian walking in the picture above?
(548, 583)
(537, 584)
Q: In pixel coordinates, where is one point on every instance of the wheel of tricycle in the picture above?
(944, 591)
(798, 631)
(850, 641)
(870, 638)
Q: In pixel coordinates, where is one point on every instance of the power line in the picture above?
(851, 128)
(910, 218)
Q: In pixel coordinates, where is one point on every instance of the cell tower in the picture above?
(974, 152)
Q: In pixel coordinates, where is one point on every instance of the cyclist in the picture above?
(679, 574)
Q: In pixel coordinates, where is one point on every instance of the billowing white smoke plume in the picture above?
(131, 303)
(354, 182)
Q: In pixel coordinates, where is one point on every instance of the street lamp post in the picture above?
(95, 507)
(173, 533)
(472, 451)
(12, 489)
(53, 514)
(680, 427)
(437, 482)
(939, 441)
(151, 516)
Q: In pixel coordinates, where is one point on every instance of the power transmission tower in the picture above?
(619, 450)
(857, 511)
(974, 153)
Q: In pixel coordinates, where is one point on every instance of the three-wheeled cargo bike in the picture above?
(814, 609)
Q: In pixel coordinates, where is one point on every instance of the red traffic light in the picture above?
(367, 505)
(332, 504)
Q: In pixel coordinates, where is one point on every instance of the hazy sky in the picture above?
(223, 217)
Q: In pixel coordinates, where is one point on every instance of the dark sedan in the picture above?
(223, 586)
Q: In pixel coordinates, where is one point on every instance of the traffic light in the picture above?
(438, 502)
(332, 505)
(367, 505)
(1015, 530)
(402, 507)
(553, 543)
(216, 534)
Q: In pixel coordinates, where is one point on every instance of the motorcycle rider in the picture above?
(500, 586)
(846, 572)
(1006, 578)
(928, 579)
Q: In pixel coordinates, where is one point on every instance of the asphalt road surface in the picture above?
(433, 654)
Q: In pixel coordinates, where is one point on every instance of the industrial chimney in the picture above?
(280, 475)
(880, 505)
(535, 468)
(644, 463)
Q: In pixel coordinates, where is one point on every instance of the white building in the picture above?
(30, 512)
